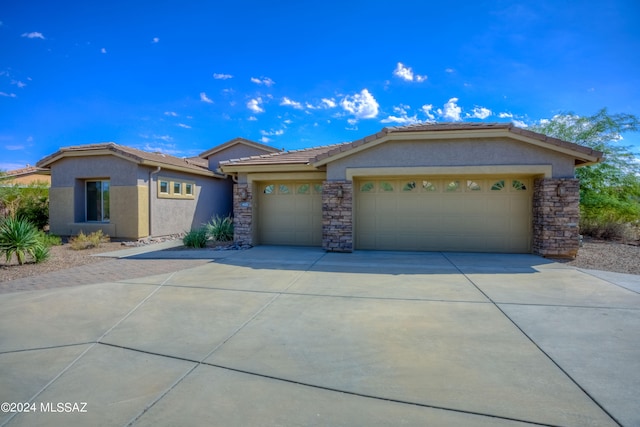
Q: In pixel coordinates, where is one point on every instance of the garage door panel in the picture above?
(290, 213)
(475, 215)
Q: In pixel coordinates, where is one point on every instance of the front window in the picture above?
(97, 200)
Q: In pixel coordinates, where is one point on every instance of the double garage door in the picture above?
(410, 213)
(444, 214)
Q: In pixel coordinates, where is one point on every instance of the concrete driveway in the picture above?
(297, 336)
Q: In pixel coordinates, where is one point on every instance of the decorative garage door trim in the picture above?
(290, 213)
(517, 170)
(435, 213)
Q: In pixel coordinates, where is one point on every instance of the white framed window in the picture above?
(97, 200)
(175, 188)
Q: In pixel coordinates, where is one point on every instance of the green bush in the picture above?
(84, 241)
(41, 254)
(18, 237)
(220, 229)
(30, 202)
(49, 240)
(196, 238)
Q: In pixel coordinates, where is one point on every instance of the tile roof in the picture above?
(302, 156)
(140, 156)
(27, 170)
(315, 154)
(439, 127)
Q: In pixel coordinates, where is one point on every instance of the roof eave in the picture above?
(582, 153)
(296, 167)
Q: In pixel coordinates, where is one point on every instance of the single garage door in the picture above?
(290, 213)
(444, 214)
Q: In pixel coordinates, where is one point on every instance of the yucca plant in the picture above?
(195, 238)
(220, 229)
(18, 237)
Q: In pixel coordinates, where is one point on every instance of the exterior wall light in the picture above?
(561, 191)
(340, 193)
(242, 193)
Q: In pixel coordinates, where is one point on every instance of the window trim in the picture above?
(171, 187)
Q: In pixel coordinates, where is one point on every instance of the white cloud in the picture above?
(272, 132)
(362, 105)
(427, 110)
(15, 147)
(449, 70)
(9, 95)
(205, 98)
(252, 118)
(505, 115)
(155, 40)
(265, 140)
(288, 102)
(451, 110)
(33, 35)
(328, 103)
(18, 83)
(171, 113)
(520, 123)
(263, 81)
(103, 50)
(402, 116)
(219, 76)
(254, 105)
(406, 73)
(479, 113)
(182, 125)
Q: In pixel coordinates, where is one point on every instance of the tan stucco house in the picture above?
(130, 194)
(474, 187)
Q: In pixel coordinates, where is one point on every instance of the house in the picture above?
(473, 187)
(130, 194)
(27, 176)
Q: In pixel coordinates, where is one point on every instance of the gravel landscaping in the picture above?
(594, 254)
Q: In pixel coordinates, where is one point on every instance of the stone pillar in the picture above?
(556, 214)
(337, 216)
(243, 215)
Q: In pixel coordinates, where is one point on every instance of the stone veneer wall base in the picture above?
(337, 216)
(243, 215)
(556, 215)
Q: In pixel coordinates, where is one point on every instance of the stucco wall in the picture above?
(213, 196)
(453, 153)
(119, 171)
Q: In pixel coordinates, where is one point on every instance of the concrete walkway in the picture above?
(296, 336)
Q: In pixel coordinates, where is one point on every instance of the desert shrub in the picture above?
(18, 237)
(49, 240)
(29, 202)
(196, 238)
(41, 254)
(220, 229)
(84, 241)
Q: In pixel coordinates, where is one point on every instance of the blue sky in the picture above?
(182, 77)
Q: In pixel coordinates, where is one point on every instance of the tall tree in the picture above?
(610, 188)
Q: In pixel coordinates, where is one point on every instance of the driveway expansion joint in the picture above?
(547, 355)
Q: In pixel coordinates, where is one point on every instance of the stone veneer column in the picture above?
(337, 216)
(242, 215)
(556, 214)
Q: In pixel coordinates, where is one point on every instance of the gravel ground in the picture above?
(594, 254)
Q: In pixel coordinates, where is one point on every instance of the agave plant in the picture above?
(18, 237)
(220, 229)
